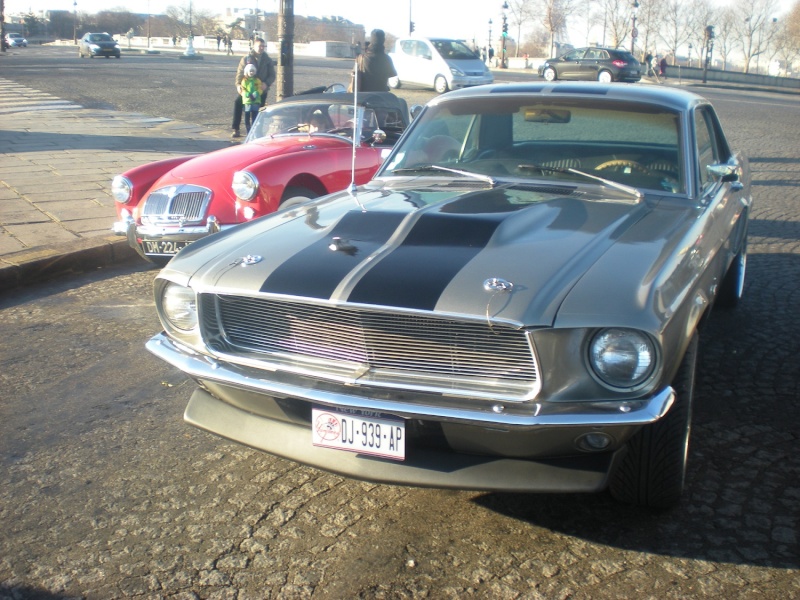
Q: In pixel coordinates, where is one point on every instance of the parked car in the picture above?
(98, 44)
(16, 40)
(512, 303)
(297, 149)
(440, 63)
(593, 64)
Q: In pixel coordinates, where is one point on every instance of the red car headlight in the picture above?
(244, 185)
(121, 189)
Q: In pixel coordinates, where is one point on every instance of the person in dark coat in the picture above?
(265, 71)
(376, 67)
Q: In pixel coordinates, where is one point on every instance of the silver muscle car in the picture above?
(512, 303)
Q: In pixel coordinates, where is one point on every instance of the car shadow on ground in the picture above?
(17, 142)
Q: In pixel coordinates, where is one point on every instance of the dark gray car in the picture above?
(98, 44)
(512, 303)
(593, 64)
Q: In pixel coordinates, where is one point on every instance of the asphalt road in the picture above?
(105, 493)
(195, 91)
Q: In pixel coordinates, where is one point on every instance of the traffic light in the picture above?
(411, 27)
(505, 28)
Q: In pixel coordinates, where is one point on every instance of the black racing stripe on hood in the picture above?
(435, 250)
(317, 270)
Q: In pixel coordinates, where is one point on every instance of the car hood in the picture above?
(430, 249)
(236, 158)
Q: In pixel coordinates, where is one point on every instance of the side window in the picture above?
(574, 55)
(408, 47)
(423, 50)
(708, 150)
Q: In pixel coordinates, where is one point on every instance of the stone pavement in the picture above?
(56, 166)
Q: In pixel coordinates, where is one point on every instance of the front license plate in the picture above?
(375, 435)
(163, 247)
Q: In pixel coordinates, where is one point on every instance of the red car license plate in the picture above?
(365, 434)
(162, 247)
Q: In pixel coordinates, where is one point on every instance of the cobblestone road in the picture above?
(105, 493)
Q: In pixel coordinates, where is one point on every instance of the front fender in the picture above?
(145, 176)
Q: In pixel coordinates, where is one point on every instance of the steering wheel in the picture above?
(621, 162)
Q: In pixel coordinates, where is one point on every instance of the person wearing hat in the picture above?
(265, 71)
(375, 66)
(252, 92)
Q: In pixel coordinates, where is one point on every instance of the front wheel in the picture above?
(549, 74)
(732, 287)
(604, 77)
(294, 196)
(653, 472)
(440, 85)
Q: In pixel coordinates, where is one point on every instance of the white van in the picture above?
(439, 63)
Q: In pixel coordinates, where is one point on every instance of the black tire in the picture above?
(653, 472)
(295, 195)
(730, 291)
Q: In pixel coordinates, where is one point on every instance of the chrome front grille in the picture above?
(387, 349)
(176, 205)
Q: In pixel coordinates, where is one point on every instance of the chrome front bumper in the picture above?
(488, 448)
(153, 233)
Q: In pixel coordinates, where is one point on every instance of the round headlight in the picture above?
(244, 185)
(179, 306)
(622, 358)
(121, 189)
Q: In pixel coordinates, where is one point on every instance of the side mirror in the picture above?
(415, 110)
(378, 136)
(723, 171)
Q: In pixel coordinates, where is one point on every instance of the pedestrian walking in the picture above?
(265, 71)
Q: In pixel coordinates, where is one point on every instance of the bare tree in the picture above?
(789, 38)
(700, 15)
(726, 36)
(756, 28)
(648, 22)
(554, 14)
(618, 21)
(676, 30)
(522, 12)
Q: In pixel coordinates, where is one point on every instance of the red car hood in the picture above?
(239, 157)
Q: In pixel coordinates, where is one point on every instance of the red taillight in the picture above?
(618, 63)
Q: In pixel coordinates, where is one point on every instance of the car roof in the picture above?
(676, 99)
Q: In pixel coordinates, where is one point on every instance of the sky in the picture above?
(450, 18)
(461, 19)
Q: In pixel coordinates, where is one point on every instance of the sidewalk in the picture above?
(56, 167)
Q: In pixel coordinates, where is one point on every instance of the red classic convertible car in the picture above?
(297, 149)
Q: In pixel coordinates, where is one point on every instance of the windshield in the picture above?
(335, 118)
(100, 37)
(532, 137)
(453, 50)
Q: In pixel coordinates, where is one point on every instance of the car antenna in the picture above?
(356, 139)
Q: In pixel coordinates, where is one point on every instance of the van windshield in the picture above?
(453, 50)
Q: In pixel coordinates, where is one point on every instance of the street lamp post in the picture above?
(74, 22)
(690, 55)
(489, 50)
(634, 31)
(503, 64)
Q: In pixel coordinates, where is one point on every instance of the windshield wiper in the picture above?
(620, 186)
(422, 168)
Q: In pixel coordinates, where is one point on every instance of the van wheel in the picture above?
(440, 85)
(394, 82)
